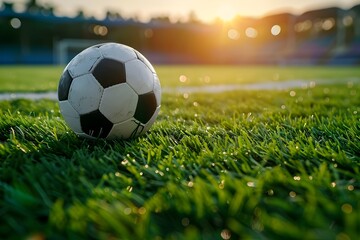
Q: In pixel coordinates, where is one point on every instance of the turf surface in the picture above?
(46, 78)
(243, 164)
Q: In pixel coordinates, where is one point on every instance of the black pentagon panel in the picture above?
(146, 107)
(64, 86)
(95, 124)
(109, 72)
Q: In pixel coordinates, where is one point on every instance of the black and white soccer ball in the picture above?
(109, 91)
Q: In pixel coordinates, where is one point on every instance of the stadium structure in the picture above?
(328, 36)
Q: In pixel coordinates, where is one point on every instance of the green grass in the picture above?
(46, 78)
(245, 164)
(29, 78)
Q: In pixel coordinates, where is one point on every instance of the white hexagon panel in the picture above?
(71, 116)
(84, 62)
(139, 76)
(118, 103)
(119, 52)
(157, 89)
(85, 94)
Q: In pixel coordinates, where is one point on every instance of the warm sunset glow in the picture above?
(226, 13)
(233, 34)
(251, 32)
(204, 10)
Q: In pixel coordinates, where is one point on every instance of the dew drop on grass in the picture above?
(185, 222)
(292, 93)
(250, 184)
(333, 184)
(297, 178)
(222, 184)
(183, 78)
(142, 211)
(346, 208)
(225, 234)
(127, 211)
(292, 194)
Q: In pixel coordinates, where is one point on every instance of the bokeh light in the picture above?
(275, 30)
(15, 23)
(347, 21)
(148, 33)
(100, 30)
(328, 24)
(233, 34)
(303, 26)
(251, 32)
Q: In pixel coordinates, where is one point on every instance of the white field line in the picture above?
(284, 85)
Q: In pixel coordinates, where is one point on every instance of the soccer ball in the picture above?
(109, 91)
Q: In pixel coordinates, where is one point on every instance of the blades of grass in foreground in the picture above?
(242, 165)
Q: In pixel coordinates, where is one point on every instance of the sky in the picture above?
(205, 10)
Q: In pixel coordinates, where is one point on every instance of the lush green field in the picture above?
(236, 165)
(46, 78)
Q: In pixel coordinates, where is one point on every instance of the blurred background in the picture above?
(34, 32)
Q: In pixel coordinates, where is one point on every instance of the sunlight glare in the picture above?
(226, 13)
(233, 34)
(251, 32)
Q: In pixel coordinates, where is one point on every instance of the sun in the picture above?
(226, 13)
